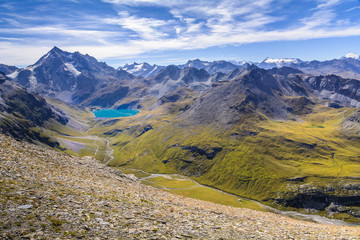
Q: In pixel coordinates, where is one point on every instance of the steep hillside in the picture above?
(45, 194)
(23, 114)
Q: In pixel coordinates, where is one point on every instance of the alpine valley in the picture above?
(283, 132)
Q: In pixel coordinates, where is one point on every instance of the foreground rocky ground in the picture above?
(45, 194)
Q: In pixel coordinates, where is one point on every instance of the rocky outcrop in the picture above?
(203, 152)
(334, 199)
(344, 92)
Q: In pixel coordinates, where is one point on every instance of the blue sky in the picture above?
(171, 32)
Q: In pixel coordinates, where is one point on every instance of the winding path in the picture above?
(108, 152)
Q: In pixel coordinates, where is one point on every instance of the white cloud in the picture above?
(194, 25)
(147, 28)
(327, 3)
(352, 9)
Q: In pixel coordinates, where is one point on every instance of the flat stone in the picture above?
(26, 206)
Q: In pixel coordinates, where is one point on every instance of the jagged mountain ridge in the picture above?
(221, 66)
(146, 70)
(7, 69)
(142, 69)
(81, 79)
(253, 91)
(346, 67)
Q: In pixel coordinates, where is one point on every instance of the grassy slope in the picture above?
(257, 166)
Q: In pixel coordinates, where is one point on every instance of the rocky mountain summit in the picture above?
(45, 194)
(70, 77)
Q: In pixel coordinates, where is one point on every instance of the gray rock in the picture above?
(27, 206)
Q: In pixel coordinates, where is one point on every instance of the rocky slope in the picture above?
(45, 194)
(172, 77)
(22, 113)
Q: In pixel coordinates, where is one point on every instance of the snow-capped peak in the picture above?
(281, 60)
(352, 55)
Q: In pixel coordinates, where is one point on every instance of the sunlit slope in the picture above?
(257, 158)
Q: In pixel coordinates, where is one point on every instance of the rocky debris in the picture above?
(74, 198)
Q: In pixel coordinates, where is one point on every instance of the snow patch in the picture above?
(352, 55)
(154, 69)
(31, 67)
(70, 68)
(32, 82)
(14, 74)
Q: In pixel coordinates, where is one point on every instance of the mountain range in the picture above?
(81, 79)
(283, 131)
(347, 66)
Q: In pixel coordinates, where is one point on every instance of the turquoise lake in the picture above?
(115, 113)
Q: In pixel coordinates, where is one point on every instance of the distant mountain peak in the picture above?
(352, 55)
(143, 69)
(56, 50)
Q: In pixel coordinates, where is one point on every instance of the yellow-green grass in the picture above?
(189, 188)
(172, 183)
(213, 195)
(252, 166)
(135, 172)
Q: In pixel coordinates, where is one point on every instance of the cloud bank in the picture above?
(123, 29)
